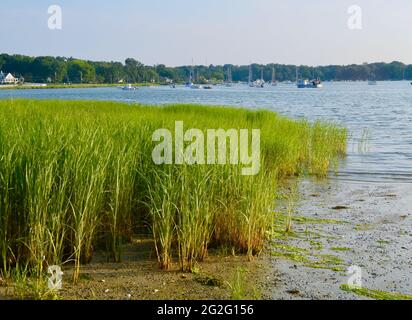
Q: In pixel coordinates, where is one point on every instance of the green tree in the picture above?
(80, 71)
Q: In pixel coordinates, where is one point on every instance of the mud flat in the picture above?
(222, 276)
(138, 277)
(339, 224)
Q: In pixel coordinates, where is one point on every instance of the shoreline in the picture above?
(72, 86)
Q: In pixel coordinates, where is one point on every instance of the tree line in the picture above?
(71, 70)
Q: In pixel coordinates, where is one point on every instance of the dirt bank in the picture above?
(138, 278)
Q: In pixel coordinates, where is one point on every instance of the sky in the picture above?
(179, 32)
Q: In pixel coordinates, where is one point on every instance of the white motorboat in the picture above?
(129, 87)
(260, 83)
(303, 84)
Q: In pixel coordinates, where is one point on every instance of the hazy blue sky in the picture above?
(173, 32)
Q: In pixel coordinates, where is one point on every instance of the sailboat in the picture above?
(229, 80)
(372, 80)
(192, 79)
(274, 82)
(250, 76)
(260, 83)
(189, 84)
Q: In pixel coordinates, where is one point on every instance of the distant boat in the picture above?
(372, 79)
(207, 87)
(229, 80)
(129, 87)
(260, 83)
(190, 84)
(250, 81)
(274, 82)
(302, 84)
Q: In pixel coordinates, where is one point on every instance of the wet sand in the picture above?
(375, 233)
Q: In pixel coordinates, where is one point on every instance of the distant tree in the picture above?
(165, 72)
(61, 69)
(134, 70)
(81, 71)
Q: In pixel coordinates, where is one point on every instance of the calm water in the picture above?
(382, 112)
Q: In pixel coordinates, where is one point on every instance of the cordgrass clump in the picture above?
(375, 294)
(78, 176)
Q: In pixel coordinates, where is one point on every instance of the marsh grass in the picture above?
(375, 294)
(26, 285)
(240, 288)
(76, 176)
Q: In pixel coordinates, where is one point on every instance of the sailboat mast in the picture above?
(297, 74)
(273, 74)
(229, 74)
(192, 72)
(250, 74)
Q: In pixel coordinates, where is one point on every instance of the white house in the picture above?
(7, 79)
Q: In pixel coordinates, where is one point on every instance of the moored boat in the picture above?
(304, 83)
(129, 87)
(274, 81)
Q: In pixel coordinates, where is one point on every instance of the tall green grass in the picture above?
(78, 176)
